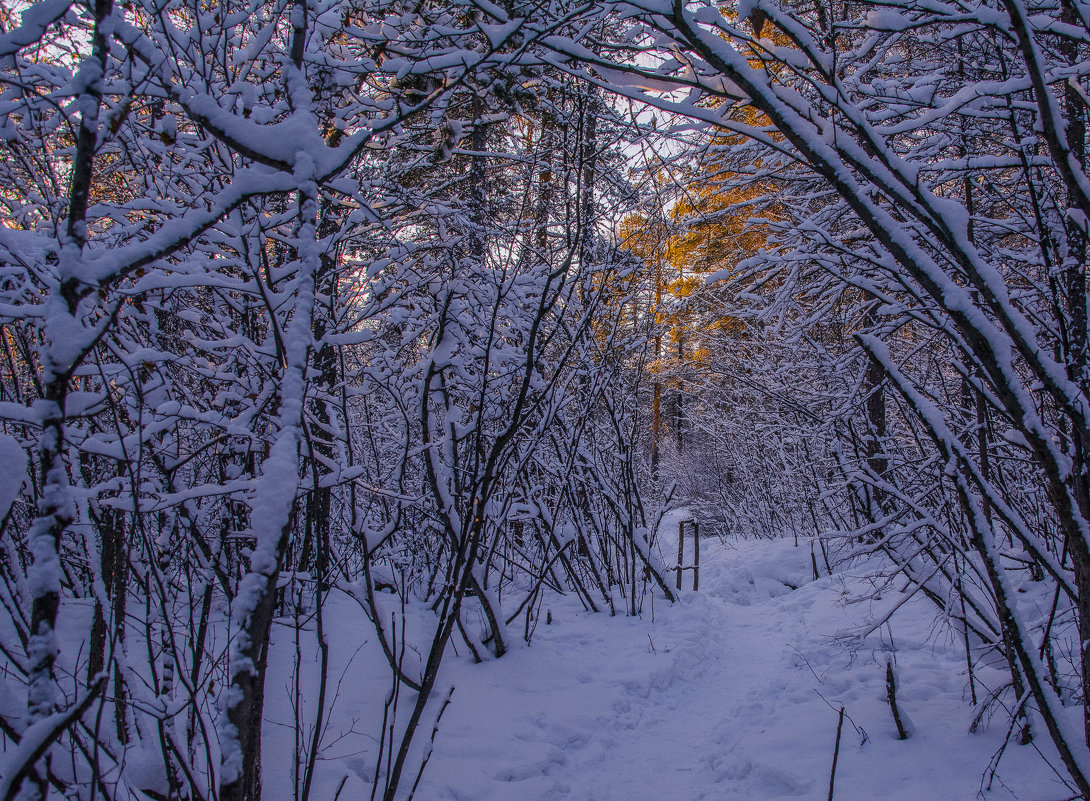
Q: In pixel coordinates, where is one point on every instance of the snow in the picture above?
(14, 461)
(731, 693)
(34, 20)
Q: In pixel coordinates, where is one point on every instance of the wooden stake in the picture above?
(680, 549)
(696, 555)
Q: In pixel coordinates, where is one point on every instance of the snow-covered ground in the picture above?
(731, 693)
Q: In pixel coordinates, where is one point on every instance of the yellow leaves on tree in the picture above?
(715, 225)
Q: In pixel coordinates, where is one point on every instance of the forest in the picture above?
(346, 341)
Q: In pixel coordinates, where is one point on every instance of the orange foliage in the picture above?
(712, 229)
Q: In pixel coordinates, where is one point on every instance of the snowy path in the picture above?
(730, 694)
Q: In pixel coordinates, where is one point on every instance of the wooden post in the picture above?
(696, 555)
(695, 566)
(680, 549)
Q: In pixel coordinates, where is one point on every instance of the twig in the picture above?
(37, 739)
(891, 693)
(919, 586)
(836, 752)
(431, 743)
